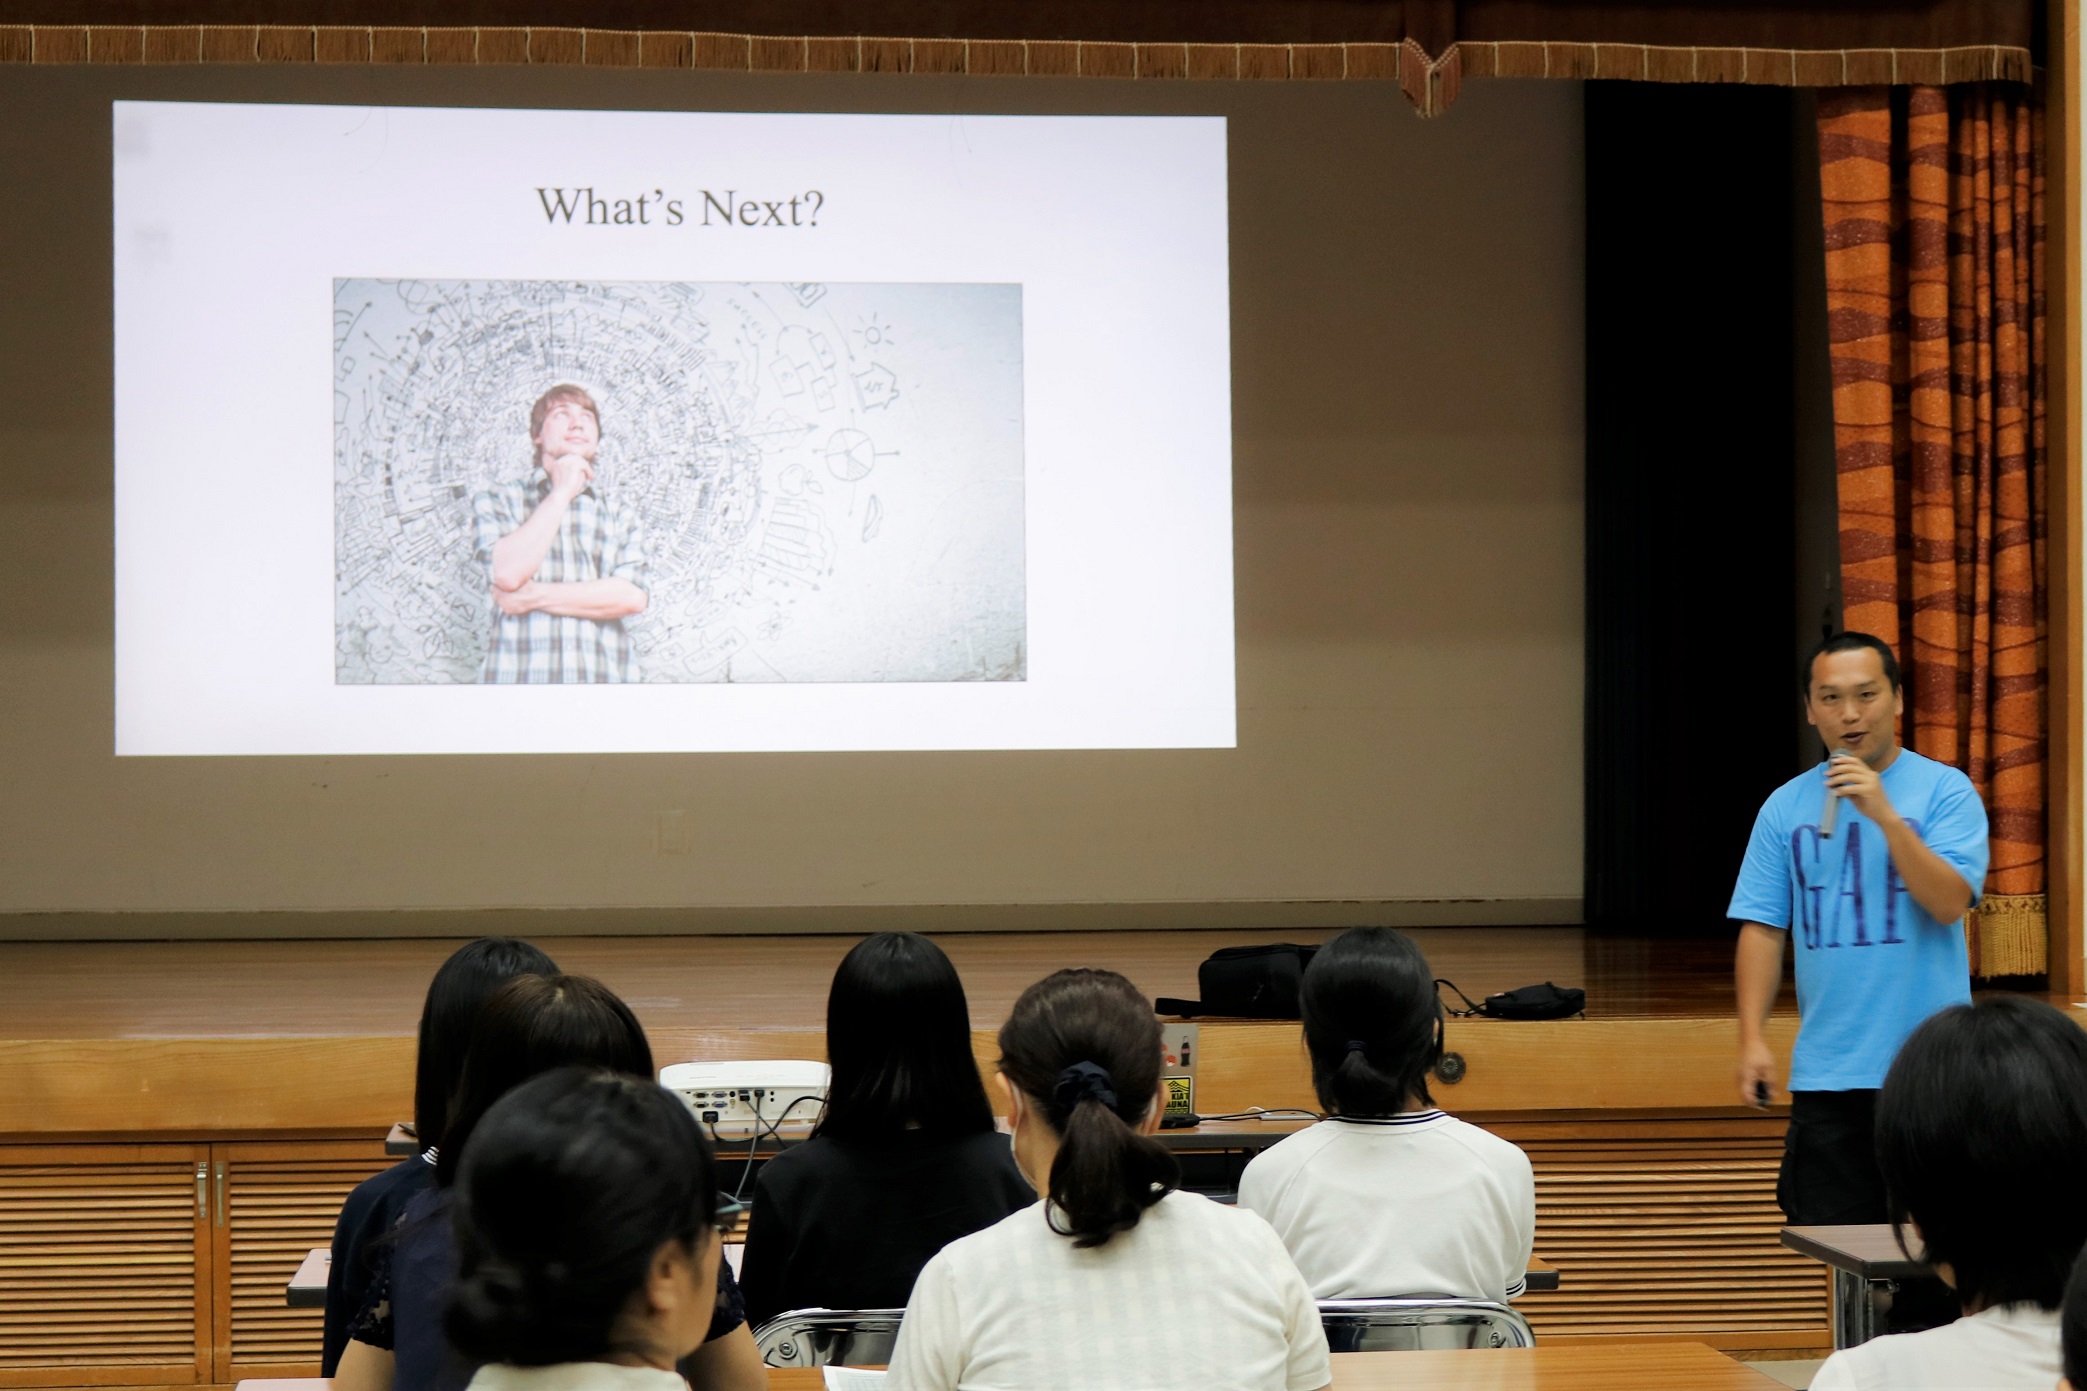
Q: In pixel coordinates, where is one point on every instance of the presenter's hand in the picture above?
(1756, 1069)
(1858, 782)
(516, 602)
(569, 473)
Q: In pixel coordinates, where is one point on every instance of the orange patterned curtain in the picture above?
(1934, 208)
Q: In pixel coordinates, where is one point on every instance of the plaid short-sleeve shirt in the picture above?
(596, 540)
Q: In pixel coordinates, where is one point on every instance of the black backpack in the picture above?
(1247, 983)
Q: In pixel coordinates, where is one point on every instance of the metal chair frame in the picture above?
(865, 1337)
(1413, 1322)
(829, 1337)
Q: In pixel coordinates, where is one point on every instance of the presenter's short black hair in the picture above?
(459, 990)
(2072, 1325)
(1371, 986)
(1848, 642)
(1982, 1138)
(898, 1034)
(574, 1182)
(533, 1025)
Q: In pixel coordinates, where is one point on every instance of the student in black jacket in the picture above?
(459, 990)
(905, 1159)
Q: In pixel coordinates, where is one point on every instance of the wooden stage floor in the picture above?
(363, 988)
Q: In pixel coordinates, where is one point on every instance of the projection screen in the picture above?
(495, 431)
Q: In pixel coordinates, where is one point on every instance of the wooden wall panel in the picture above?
(279, 1202)
(52, 1087)
(103, 1270)
(1670, 1236)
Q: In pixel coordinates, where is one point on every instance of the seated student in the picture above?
(1389, 1196)
(533, 1025)
(1982, 1140)
(905, 1159)
(460, 988)
(1115, 1280)
(586, 1246)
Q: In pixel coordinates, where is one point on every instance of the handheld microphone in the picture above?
(1833, 805)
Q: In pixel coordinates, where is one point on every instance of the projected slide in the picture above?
(465, 431)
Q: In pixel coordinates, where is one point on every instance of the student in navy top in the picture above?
(586, 1238)
(533, 1025)
(1876, 915)
(905, 1158)
(460, 988)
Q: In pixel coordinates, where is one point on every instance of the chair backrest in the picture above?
(829, 1337)
(865, 1337)
(1421, 1321)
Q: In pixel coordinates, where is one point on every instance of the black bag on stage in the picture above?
(1246, 983)
(1546, 1001)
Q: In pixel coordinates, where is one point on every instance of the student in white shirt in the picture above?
(1116, 1281)
(1389, 1196)
(1982, 1140)
(585, 1213)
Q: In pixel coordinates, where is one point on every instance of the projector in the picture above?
(738, 1099)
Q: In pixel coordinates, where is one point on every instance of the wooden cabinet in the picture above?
(164, 1264)
(277, 1202)
(104, 1264)
(1669, 1229)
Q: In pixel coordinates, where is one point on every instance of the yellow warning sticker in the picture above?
(1181, 1096)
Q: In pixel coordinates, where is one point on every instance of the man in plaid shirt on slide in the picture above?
(567, 567)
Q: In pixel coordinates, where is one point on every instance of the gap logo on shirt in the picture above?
(1831, 907)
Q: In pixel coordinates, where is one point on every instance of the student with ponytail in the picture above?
(1116, 1279)
(586, 1240)
(1389, 1196)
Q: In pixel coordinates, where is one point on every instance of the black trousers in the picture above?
(1829, 1175)
(1830, 1178)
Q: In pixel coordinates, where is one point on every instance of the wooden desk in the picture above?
(307, 1288)
(1864, 1259)
(1249, 1136)
(1635, 1367)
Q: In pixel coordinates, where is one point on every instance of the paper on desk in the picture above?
(853, 1379)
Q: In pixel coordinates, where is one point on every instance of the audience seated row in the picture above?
(532, 1025)
(544, 1234)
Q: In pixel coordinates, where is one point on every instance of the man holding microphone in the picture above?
(1870, 869)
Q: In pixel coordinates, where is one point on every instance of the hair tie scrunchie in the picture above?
(1356, 1045)
(1084, 1082)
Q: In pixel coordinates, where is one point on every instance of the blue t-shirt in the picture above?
(1871, 963)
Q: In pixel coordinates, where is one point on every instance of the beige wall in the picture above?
(1407, 411)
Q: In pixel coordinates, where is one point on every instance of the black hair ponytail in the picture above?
(571, 1184)
(1084, 1047)
(1372, 1022)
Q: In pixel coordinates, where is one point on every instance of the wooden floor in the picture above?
(248, 989)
